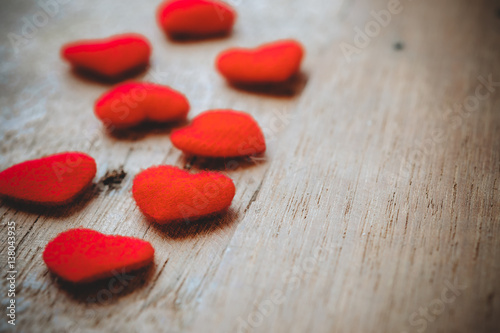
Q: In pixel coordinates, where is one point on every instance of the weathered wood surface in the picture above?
(375, 195)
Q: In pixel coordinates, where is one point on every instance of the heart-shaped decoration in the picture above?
(195, 18)
(270, 63)
(84, 255)
(166, 193)
(131, 103)
(109, 57)
(220, 133)
(51, 180)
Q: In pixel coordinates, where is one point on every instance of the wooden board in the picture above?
(375, 209)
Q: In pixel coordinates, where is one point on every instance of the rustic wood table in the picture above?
(376, 207)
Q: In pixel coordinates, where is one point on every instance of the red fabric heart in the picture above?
(270, 63)
(109, 57)
(84, 255)
(195, 18)
(51, 180)
(131, 103)
(220, 133)
(166, 193)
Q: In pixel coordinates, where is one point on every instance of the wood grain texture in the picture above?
(375, 195)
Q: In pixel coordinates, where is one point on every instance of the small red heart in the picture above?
(51, 180)
(84, 255)
(166, 193)
(131, 103)
(195, 18)
(270, 63)
(220, 133)
(109, 57)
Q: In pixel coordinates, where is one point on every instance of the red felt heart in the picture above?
(166, 193)
(270, 63)
(220, 133)
(51, 180)
(109, 57)
(84, 255)
(195, 18)
(131, 103)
